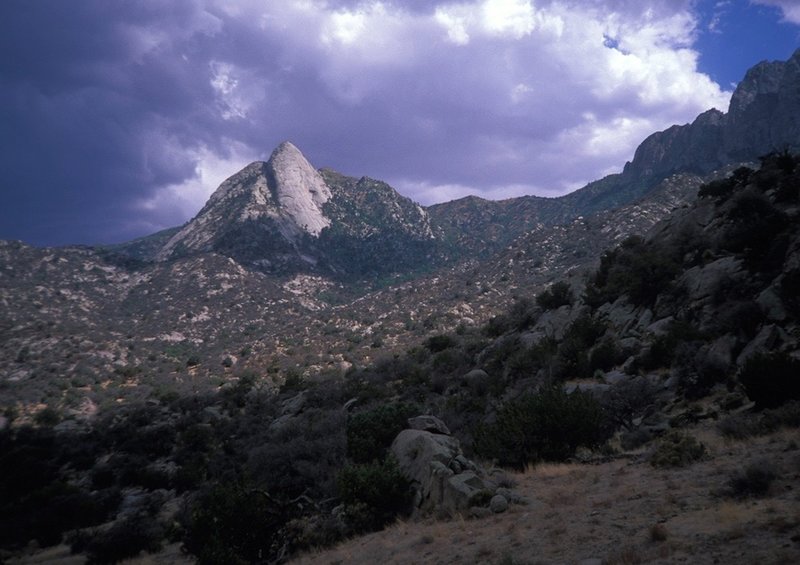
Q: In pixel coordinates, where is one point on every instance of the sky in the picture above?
(119, 118)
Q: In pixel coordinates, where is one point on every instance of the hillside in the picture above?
(676, 341)
(239, 386)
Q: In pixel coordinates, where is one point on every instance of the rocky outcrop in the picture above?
(762, 117)
(299, 189)
(446, 482)
(273, 203)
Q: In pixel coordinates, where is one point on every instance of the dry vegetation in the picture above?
(619, 512)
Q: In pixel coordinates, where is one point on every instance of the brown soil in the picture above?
(620, 512)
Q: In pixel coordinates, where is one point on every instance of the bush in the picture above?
(628, 400)
(771, 379)
(550, 425)
(753, 480)
(370, 433)
(125, 539)
(232, 523)
(676, 449)
(637, 269)
(374, 494)
(439, 343)
(559, 294)
(573, 352)
(722, 188)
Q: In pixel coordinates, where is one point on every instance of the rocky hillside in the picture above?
(762, 117)
(695, 324)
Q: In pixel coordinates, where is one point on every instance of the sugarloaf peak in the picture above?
(279, 201)
(284, 215)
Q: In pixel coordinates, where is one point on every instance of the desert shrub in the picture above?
(634, 439)
(526, 361)
(497, 326)
(741, 426)
(771, 379)
(717, 188)
(232, 523)
(440, 342)
(125, 539)
(628, 400)
(754, 480)
(662, 349)
(722, 188)
(740, 317)
(447, 361)
(789, 188)
(637, 269)
(522, 314)
(604, 356)
(549, 425)
(301, 456)
(677, 449)
(370, 433)
(559, 294)
(47, 417)
(374, 493)
(753, 226)
(573, 351)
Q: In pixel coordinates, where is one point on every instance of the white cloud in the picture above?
(184, 199)
(489, 97)
(789, 8)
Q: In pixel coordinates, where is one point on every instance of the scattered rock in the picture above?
(498, 504)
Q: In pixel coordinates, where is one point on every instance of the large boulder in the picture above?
(445, 480)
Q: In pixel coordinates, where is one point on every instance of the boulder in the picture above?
(445, 480)
(428, 424)
(498, 504)
(770, 302)
(768, 339)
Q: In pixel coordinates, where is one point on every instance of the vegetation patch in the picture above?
(547, 426)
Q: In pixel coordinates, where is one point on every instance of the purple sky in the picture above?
(120, 118)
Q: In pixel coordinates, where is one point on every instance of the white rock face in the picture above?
(300, 190)
(287, 190)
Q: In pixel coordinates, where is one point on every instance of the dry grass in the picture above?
(622, 512)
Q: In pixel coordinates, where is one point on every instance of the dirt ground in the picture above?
(620, 512)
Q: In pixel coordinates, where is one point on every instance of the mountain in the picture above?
(285, 216)
(234, 382)
(763, 116)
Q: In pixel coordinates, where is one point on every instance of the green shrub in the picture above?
(581, 336)
(637, 269)
(374, 494)
(677, 449)
(722, 188)
(559, 294)
(125, 539)
(232, 523)
(771, 379)
(549, 425)
(753, 480)
(370, 433)
(440, 342)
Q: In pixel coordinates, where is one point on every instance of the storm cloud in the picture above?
(120, 118)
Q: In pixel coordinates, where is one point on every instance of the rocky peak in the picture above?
(284, 196)
(299, 188)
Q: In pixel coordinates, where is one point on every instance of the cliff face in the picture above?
(763, 116)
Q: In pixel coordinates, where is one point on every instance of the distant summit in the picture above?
(763, 116)
(281, 199)
(284, 216)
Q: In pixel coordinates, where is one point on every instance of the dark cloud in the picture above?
(120, 117)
